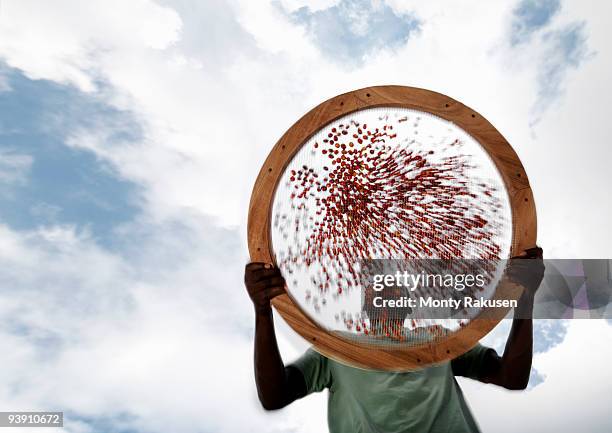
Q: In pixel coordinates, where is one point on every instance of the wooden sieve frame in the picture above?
(513, 174)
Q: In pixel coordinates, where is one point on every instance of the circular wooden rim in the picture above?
(507, 162)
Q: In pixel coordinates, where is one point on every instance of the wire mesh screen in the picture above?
(385, 183)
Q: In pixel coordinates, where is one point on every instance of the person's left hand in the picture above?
(527, 269)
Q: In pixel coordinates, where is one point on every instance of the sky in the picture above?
(130, 137)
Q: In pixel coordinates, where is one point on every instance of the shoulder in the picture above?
(316, 370)
(472, 363)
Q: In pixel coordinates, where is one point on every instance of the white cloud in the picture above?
(87, 326)
(572, 398)
(63, 41)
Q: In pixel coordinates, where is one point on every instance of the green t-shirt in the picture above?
(428, 400)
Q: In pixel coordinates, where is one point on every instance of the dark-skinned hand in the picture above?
(263, 282)
(527, 269)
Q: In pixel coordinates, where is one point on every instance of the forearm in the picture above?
(270, 374)
(515, 366)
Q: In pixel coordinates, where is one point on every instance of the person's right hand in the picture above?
(263, 282)
(528, 271)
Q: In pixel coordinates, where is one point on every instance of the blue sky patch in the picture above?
(352, 29)
(530, 16)
(548, 334)
(565, 47)
(42, 180)
(569, 50)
